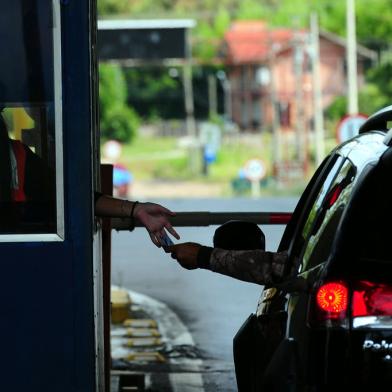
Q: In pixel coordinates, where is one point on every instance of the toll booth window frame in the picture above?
(54, 106)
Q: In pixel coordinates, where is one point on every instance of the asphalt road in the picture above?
(212, 306)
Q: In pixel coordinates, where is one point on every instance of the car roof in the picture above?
(378, 120)
(366, 147)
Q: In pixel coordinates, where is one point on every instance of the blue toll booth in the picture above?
(51, 326)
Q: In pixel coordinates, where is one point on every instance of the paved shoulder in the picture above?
(153, 341)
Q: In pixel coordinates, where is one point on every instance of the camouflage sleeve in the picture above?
(254, 266)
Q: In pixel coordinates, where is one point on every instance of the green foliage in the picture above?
(374, 29)
(110, 7)
(337, 109)
(112, 86)
(288, 13)
(374, 19)
(205, 47)
(121, 124)
(250, 9)
(147, 83)
(374, 22)
(375, 95)
(150, 89)
(209, 33)
(381, 76)
(117, 120)
(371, 99)
(222, 21)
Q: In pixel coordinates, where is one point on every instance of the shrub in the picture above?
(117, 120)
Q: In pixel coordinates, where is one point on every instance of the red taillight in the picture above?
(328, 306)
(372, 299)
(332, 298)
(334, 303)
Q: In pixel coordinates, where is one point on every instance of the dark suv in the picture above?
(329, 322)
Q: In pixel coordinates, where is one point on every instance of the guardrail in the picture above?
(205, 218)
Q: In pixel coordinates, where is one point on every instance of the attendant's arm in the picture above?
(154, 217)
(107, 206)
(254, 266)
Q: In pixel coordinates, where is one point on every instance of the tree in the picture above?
(374, 29)
(117, 120)
(373, 96)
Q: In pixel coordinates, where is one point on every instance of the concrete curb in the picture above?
(175, 336)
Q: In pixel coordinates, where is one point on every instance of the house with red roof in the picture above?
(267, 65)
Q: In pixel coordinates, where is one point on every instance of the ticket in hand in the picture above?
(166, 241)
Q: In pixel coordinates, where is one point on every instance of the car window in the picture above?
(320, 198)
(290, 241)
(321, 225)
(293, 238)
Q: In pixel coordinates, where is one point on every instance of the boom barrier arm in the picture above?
(205, 218)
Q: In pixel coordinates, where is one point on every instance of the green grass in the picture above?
(154, 158)
(163, 158)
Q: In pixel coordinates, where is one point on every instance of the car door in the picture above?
(272, 311)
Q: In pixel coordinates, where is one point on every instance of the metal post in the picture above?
(317, 92)
(228, 104)
(107, 188)
(299, 99)
(221, 75)
(276, 154)
(352, 73)
(194, 153)
(188, 98)
(212, 98)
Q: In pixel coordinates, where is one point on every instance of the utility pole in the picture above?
(225, 83)
(276, 152)
(352, 73)
(194, 153)
(317, 93)
(299, 98)
(188, 97)
(188, 89)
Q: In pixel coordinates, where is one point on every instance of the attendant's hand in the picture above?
(155, 218)
(185, 254)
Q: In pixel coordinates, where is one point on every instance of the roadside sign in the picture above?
(348, 126)
(255, 169)
(112, 150)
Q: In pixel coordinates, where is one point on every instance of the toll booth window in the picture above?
(31, 191)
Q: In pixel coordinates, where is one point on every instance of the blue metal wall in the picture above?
(46, 289)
